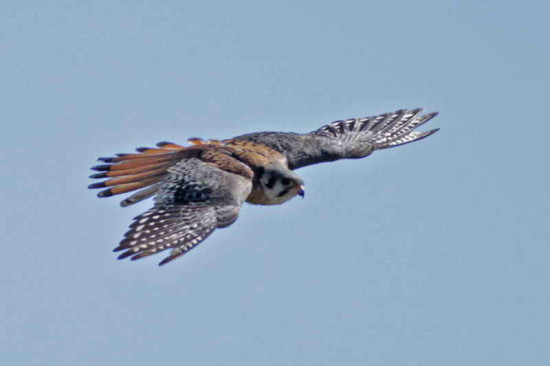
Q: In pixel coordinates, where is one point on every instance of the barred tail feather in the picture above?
(130, 172)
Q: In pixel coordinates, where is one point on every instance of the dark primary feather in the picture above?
(346, 139)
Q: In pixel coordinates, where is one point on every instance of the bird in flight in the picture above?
(202, 187)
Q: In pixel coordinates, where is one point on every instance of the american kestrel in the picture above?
(202, 187)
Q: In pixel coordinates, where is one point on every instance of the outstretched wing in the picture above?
(346, 139)
(191, 202)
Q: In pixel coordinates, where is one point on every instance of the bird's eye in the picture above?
(285, 181)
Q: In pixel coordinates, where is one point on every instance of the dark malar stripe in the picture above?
(271, 182)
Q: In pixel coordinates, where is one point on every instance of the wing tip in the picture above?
(429, 116)
(429, 133)
(136, 255)
(170, 258)
(125, 254)
(421, 136)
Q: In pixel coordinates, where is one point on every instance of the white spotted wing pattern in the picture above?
(202, 187)
(195, 199)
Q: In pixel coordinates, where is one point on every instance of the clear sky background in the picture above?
(434, 253)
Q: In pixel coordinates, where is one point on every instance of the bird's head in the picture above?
(280, 184)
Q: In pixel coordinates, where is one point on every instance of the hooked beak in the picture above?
(301, 191)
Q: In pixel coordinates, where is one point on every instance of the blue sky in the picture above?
(434, 253)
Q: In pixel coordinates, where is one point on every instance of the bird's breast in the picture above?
(257, 196)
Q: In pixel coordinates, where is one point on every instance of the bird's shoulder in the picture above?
(218, 156)
(254, 155)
